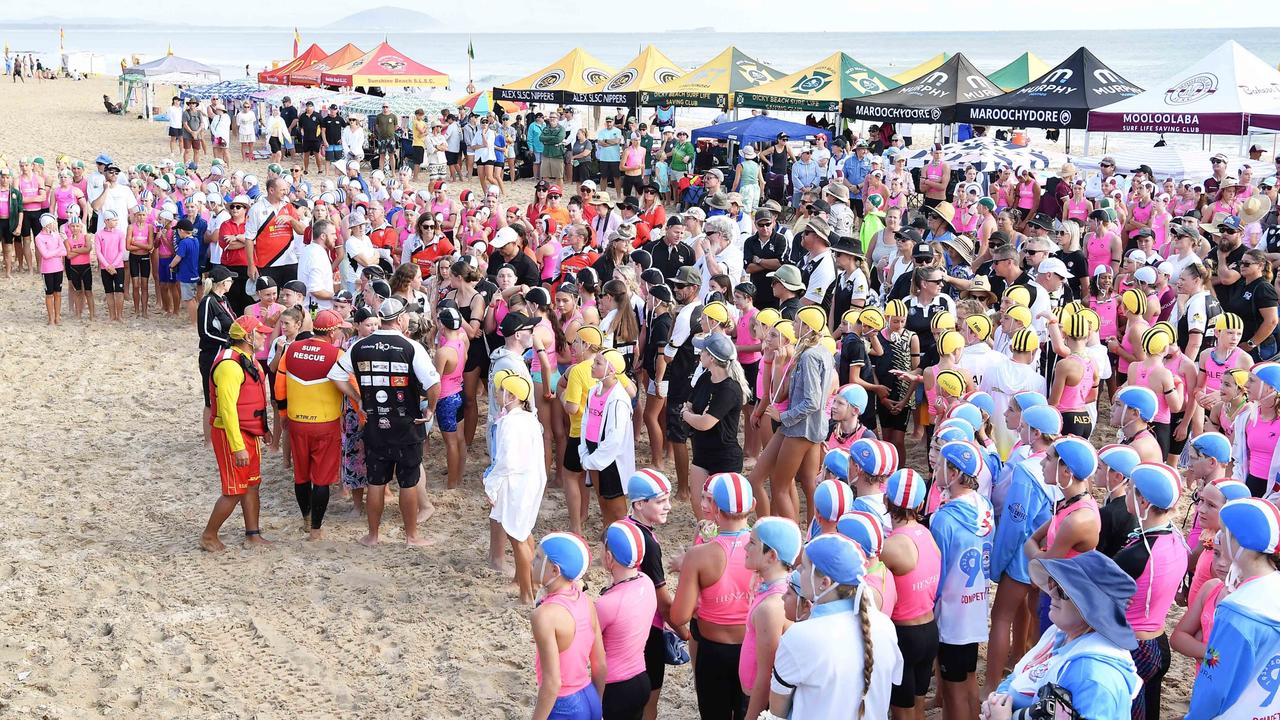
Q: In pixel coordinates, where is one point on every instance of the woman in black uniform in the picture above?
(901, 352)
(472, 303)
(213, 319)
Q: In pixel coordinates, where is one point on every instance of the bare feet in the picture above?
(306, 523)
(357, 509)
(211, 544)
(500, 565)
(417, 541)
(369, 540)
(426, 511)
(256, 540)
(315, 535)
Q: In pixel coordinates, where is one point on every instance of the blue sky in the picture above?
(727, 15)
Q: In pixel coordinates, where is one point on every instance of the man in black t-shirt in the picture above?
(1227, 282)
(289, 114)
(763, 253)
(670, 253)
(333, 124)
(309, 138)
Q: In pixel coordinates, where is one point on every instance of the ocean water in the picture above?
(1144, 57)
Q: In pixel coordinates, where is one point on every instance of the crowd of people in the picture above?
(881, 401)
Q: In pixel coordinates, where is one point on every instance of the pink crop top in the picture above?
(1078, 209)
(451, 382)
(625, 611)
(1086, 503)
(725, 601)
(536, 365)
(575, 661)
(1074, 396)
(917, 589)
(747, 659)
(1260, 435)
(1158, 582)
(593, 421)
(743, 336)
(1214, 370)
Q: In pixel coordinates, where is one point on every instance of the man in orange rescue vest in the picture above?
(238, 396)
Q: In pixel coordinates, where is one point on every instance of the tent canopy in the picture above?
(1025, 68)
(481, 102)
(384, 66)
(310, 75)
(1167, 161)
(172, 67)
(987, 154)
(230, 90)
(760, 128)
(914, 73)
(650, 67)
(1060, 98)
(1223, 93)
(929, 99)
(817, 88)
(402, 104)
(712, 84)
(279, 75)
(577, 72)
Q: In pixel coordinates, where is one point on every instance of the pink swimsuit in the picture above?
(1086, 503)
(1106, 309)
(916, 590)
(1078, 210)
(1073, 396)
(1026, 196)
(1141, 214)
(451, 382)
(725, 602)
(1214, 370)
(575, 662)
(747, 660)
(1098, 250)
(1138, 376)
(742, 336)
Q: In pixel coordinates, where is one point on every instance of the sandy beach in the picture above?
(110, 609)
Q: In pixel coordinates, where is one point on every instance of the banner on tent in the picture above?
(686, 99)
(1168, 122)
(897, 113)
(784, 102)
(621, 99)
(537, 96)
(1020, 117)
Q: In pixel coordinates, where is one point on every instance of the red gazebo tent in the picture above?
(310, 75)
(280, 75)
(384, 66)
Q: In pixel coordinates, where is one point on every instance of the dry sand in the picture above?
(109, 607)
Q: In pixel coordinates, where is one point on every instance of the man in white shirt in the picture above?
(358, 250)
(978, 356)
(817, 266)
(716, 254)
(314, 268)
(116, 195)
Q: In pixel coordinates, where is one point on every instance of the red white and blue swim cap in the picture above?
(732, 493)
(646, 484)
(855, 395)
(569, 552)
(1120, 458)
(832, 499)
(1232, 489)
(874, 457)
(863, 528)
(1254, 523)
(625, 543)
(906, 489)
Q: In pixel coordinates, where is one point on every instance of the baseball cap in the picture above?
(326, 320)
(1055, 266)
(688, 275)
(718, 344)
(514, 322)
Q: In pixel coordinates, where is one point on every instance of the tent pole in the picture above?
(1068, 145)
(1086, 142)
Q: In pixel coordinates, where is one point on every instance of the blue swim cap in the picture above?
(1120, 458)
(1158, 483)
(569, 552)
(863, 528)
(953, 429)
(1269, 373)
(837, 557)
(1029, 399)
(1253, 522)
(906, 489)
(625, 543)
(1214, 445)
(1078, 455)
(963, 456)
(832, 498)
(1044, 418)
(732, 493)
(837, 463)
(982, 400)
(1232, 489)
(967, 412)
(1139, 398)
(782, 536)
(855, 395)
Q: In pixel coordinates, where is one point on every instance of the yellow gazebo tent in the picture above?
(577, 72)
(650, 67)
(713, 84)
(817, 88)
(932, 63)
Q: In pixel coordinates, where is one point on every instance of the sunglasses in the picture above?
(1105, 165)
(764, 223)
(1034, 252)
(554, 195)
(934, 281)
(1056, 591)
(1248, 262)
(238, 207)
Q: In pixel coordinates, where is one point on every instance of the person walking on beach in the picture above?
(238, 394)
(399, 388)
(192, 121)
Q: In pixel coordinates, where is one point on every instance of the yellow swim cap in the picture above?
(1092, 318)
(871, 318)
(950, 342)
(1075, 325)
(943, 321)
(786, 330)
(1228, 321)
(895, 308)
(767, 317)
(1240, 377)
(812, 317)
(1019, 295)
(1020, 315)
(717, 311)
(951, 382)
(979, 325)
(1134, 301)
(1025, 341)
(591, 335)
(1155, 341)
(828, 343)
(1166, 326)
(516, 385)
(616, 360)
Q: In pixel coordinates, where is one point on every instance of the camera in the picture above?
(1053, 702)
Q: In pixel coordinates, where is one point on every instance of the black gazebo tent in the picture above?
(1061, 98)
(931, 98)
